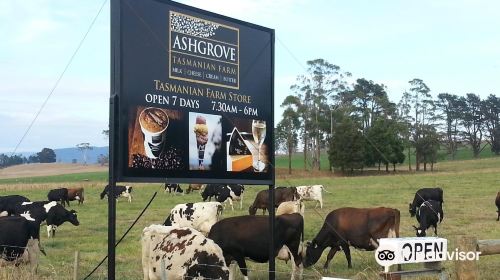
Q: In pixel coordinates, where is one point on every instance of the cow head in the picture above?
(313, 253)
(252, 210)
(419, 232)
(72, 217)
(104, 192)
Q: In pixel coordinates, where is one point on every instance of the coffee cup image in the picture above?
(154, 123)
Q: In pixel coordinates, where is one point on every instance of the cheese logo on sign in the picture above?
(203, 51)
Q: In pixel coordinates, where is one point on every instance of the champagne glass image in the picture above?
(259, 134)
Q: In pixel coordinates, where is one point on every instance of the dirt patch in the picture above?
(47, 169)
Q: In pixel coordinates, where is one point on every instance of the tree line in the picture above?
(46, 155)
(360, 127)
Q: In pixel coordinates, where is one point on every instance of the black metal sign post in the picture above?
(111, 193)
(113, 132)
(272, 264)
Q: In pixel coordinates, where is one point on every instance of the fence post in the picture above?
(75, 265)
(466, 270)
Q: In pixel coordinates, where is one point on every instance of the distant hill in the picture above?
(67, 155)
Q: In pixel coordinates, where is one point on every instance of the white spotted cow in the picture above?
(200, 216)
(123, 191)
(171, 252)
(314, 193)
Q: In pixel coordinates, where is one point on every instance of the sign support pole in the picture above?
(113, 104)
(272, 263)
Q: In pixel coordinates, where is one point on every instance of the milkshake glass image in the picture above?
(154, 123)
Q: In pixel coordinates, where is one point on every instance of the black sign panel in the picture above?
(195, 95)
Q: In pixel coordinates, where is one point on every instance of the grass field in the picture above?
(469, 191)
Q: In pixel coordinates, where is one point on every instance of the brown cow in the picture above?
(497, 202)
(357, 227)
(76, 194)
(194, 187)
(281, 194)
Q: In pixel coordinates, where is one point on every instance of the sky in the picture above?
(452, 45)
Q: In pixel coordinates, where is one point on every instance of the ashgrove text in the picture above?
(197, 46)
(201, 92)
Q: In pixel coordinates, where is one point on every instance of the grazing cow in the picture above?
(60, 195)
(50, 211)
(281, 194)
(123, 191)
(76, 194)
(247, 237)
(313, 192)
(497, 203)
(185, 253)
(231, 192)
(9, 202)
(200, 216)
(211, 190)
(429, 214)
(357, 227)
(197, 187)
(173, 188)
(20, 240)
(425, 194)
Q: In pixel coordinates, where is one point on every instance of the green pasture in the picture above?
(469, 192)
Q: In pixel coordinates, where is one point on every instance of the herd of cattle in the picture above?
(196, 242)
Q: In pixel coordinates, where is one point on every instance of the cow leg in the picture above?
(321, 203)
(347, 252)
(49, 230)
(331, 254)
(435, 230)
(241, 202)
(498, 217)
(231, 203)
(243, 266)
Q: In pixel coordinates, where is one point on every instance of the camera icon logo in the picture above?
(386, 255)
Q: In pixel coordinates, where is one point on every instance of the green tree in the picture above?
(405, 120)
(84, 147)
(46, 155)
(472, 120)
(287, 131)
(448, 105)
(422, 106)
(491, 112)
(347, 146)
(428, 145)
(314, 89)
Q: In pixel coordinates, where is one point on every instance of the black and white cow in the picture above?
(173, 189)
(9, 202)
(20, 240)
(59, 195)
(429, 214)
(123, 191)
(425, 194)
(211, 190)
(51, 212)
(171, 252)
(223, 193)
(245, 237)
(231, 192)
(200, 216)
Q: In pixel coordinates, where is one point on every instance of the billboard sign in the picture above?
(195, 95)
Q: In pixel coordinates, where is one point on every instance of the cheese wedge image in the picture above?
(239, 155)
